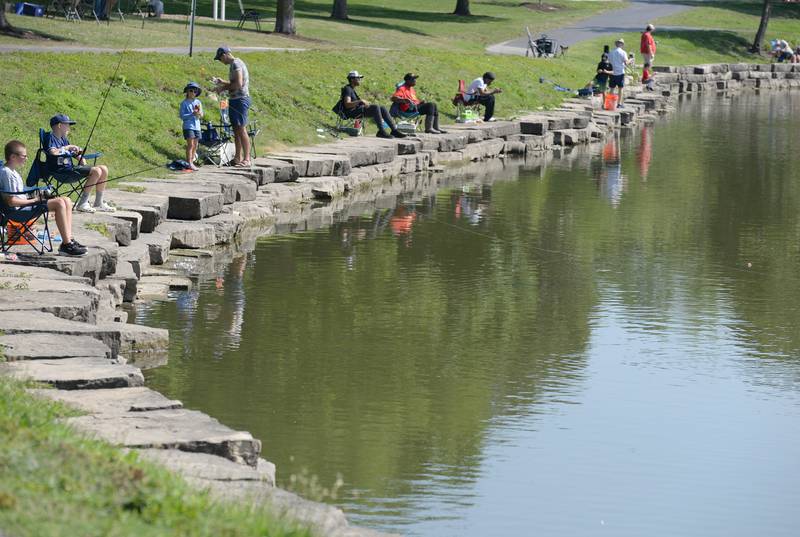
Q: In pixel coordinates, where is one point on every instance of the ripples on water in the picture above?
(606, 342)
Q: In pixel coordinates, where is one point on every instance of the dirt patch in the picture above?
(545, 8)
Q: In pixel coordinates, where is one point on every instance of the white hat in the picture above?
(620, 40)
(650, 27)
(354, 74)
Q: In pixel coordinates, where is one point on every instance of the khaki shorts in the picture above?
(648, 58)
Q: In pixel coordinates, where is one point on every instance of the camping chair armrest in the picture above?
(26, 190)
(93, 156)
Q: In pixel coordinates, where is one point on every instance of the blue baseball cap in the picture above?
(61, 118)
(221, 51)
(193, 86)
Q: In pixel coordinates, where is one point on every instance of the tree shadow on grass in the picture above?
(382, 12)
(780, 10)
(718, 41)
(33, 35)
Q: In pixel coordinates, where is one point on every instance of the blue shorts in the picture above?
(237, 111)
(617, 81)
(188, 134)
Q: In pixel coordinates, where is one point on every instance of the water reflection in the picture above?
(528, 351)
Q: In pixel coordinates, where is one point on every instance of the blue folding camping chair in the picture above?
(16, 223)
(407, 121)
(40, 171)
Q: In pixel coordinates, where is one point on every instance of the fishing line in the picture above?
(108, 90)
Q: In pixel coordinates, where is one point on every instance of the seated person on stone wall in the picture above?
(353, 106)
(11, 181)
(479, 91)
(405, 96)
(59, 163)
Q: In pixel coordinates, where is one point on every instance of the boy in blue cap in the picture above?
(191, 111)
(59, 163)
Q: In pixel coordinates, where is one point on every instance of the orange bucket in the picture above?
(611, 101)
(15, 233)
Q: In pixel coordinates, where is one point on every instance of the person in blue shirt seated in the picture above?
(10, 181)
(59, 163)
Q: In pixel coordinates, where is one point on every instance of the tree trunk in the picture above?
(339, 10)
(284, 17)
(462, 8)
(762, 27)
(3, 20)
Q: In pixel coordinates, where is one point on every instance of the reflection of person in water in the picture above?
(403, 220)
(612, 182)
(472, 207)
(645, 153)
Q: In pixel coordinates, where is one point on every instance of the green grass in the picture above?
(55, 482)
(374, 23)
(740, 17)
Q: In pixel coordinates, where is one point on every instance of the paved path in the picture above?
(629, 19)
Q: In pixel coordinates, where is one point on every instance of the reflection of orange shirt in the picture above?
(402, 222)
(610, 150)
(406, 92)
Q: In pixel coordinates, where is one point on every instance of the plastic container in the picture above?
(31, 10)
(611, 101)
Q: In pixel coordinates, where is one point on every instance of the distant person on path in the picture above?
(604, 70)
(190, 112)
(238, 88)
(648, 45)
(59, 164)
(354, 106)
(405, 95)
(479, 91)
(10, 181)
(618, 59)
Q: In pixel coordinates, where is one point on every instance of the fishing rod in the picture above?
(105, 97)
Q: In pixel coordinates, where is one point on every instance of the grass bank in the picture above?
(293, 92)
(55, 482)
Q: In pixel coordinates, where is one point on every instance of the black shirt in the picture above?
(349, 91)
(603, 66)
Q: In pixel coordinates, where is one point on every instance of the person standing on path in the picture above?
(238, 88)
(648, 45)
(619, 59)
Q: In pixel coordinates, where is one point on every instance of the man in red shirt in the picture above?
(648, 48)
(406, 95)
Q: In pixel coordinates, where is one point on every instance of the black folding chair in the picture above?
(17, 224)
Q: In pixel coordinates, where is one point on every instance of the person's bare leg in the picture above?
(91, 180)
(245, 143)
(103, 181)
(59, 208)
(238, 143)
(189, 150)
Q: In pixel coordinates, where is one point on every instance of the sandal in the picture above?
(243, 164)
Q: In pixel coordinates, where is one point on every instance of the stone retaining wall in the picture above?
(63, 325)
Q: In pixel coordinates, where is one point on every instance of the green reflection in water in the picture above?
(408, 349)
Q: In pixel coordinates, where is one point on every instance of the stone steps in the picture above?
(75, 373)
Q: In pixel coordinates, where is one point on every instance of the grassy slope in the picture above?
(54, 482)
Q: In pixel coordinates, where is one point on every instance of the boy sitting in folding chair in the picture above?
(15, 200)
(406, 96)
(59, 164)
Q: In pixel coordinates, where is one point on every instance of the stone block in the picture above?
(158, 245)
(137, 254)
(75, 373)
(112, 401)
(38, 347)
(188, 234)
(205, 467)
(194, 205)
(186, 430)
(283, 172)
(126, 273)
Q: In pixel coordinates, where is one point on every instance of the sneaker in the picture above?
(397, 134)
(85, 207)
(491, 120)
(104, 207)
(382, 134)
(72, 249)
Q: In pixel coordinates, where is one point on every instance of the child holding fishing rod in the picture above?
(191, 110)
(60, 153)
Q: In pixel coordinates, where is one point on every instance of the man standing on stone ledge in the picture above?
(648, 45)
(238, 88)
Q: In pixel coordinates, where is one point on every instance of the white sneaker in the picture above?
(105, 207)
(85, 207)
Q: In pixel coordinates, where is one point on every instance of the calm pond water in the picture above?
(605, 345)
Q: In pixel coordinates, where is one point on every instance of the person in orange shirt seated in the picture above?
(406, 95)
